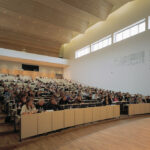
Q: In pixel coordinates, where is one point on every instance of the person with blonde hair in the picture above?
(41, 105)
(29, 107)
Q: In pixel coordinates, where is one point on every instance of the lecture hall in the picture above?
(74, 74)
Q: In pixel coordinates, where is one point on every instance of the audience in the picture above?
(52, 94)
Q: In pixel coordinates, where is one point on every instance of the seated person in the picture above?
(78, 99)
(139, 100)
(132, 100)
(64, 100)
(89, 97)
(119, 96)
(106, 101)
(40, 106)
(22, 102)
(148, 99)
(70, 99)
(102, 98)
(127, 97)
(116, 99)
(95, 96)
(37, 94)
(52, 105)
(111, 98)
(28, 108)
(144, 99)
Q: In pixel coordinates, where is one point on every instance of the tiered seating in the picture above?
(81, 105)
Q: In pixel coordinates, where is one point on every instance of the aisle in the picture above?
(7, 135)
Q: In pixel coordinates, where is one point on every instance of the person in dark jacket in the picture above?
(40, 106)
(53, 105)
(78, 99)
(64, 100)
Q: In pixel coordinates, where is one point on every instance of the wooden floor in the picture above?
(124, 134)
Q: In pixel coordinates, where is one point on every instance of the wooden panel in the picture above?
(69, 118)
(88, 115)
(32, 74)
(57, 22)
(123, 134)
(4, 70)
(148, 107)
(29, 125)
(96, 113)
(103, 113)
(131, 109)
(44, 122)
(105, 110)
(57, 120)
(138, 109)
(100, 8)
(144, 108)
(116, 109)
(135, 109)
(110, 112)
(79, 118)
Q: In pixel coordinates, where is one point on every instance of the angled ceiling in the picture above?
(42, 26)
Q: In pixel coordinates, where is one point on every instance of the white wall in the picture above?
(123, 66)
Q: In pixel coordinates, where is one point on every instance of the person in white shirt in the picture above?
(95, 96)
(28, 108)
(139, 100)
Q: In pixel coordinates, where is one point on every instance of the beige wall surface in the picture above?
(13, 66)
(111, 67)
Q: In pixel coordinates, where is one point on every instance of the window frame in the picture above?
(125, 33)
(79, 53)
(130, 28)
(101, 42)
(148, 22)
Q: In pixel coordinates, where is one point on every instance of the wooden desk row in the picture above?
(135, 109)
(35, 124)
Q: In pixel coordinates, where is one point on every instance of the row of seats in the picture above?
(135, 109)
(36, 124)
(54, 120)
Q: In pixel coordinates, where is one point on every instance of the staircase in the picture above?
(7, 134)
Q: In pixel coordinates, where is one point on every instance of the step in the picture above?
(2, 115)
(6, 128)
(9, 139)
(2, 120)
